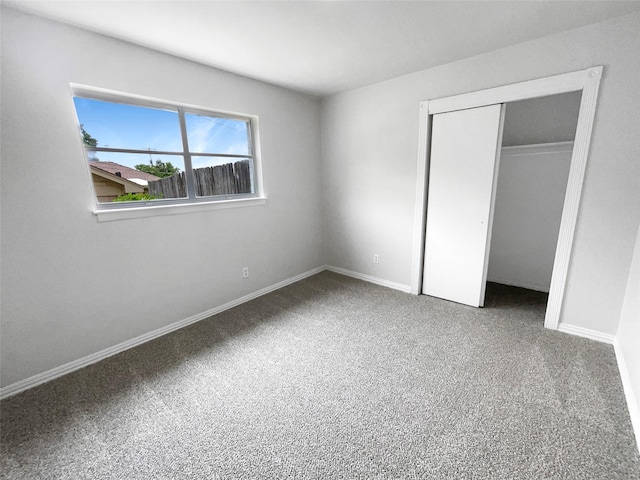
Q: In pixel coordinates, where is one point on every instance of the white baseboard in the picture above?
(586, 333)
(632, 401)
(370, 279)
(56, 372)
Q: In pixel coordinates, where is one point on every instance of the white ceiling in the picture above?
(325, 47)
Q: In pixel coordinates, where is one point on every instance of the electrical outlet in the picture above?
(245, 272)
(376, 259)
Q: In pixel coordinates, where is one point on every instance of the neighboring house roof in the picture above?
(131, 174)
(130, 186)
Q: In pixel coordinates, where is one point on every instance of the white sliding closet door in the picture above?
(465, 150)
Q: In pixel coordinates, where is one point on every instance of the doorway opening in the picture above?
(533, 170)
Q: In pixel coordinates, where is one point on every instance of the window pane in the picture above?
(136, 177)
(207, 134)
(116, 125)
(222, 176)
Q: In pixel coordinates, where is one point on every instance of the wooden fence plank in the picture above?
(227, 179)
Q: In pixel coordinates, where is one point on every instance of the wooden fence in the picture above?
(227, 179)
(174, 186)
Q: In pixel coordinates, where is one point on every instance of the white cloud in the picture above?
(216, 135)
(200, 136)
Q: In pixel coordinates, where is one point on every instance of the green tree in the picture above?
(87, 139)
(159, 168)
(133, 197)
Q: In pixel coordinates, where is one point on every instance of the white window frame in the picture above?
(172, 206)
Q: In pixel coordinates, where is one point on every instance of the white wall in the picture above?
(72, 286)
(628, 340)
(370, 150)
(532, 182)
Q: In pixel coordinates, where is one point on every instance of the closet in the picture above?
(499, 187)
(498, 178)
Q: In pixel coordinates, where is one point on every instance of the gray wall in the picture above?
(370, 152)
(541, 120)
(72, 286)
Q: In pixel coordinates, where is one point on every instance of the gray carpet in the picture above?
(336, 378)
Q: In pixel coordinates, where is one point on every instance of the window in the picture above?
(144, 153)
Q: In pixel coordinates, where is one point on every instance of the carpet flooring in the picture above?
(336, 378)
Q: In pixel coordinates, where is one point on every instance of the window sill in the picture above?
(177, 209)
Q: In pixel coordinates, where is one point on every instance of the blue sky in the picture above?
(126, 126)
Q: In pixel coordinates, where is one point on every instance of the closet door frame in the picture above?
(585, 81)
